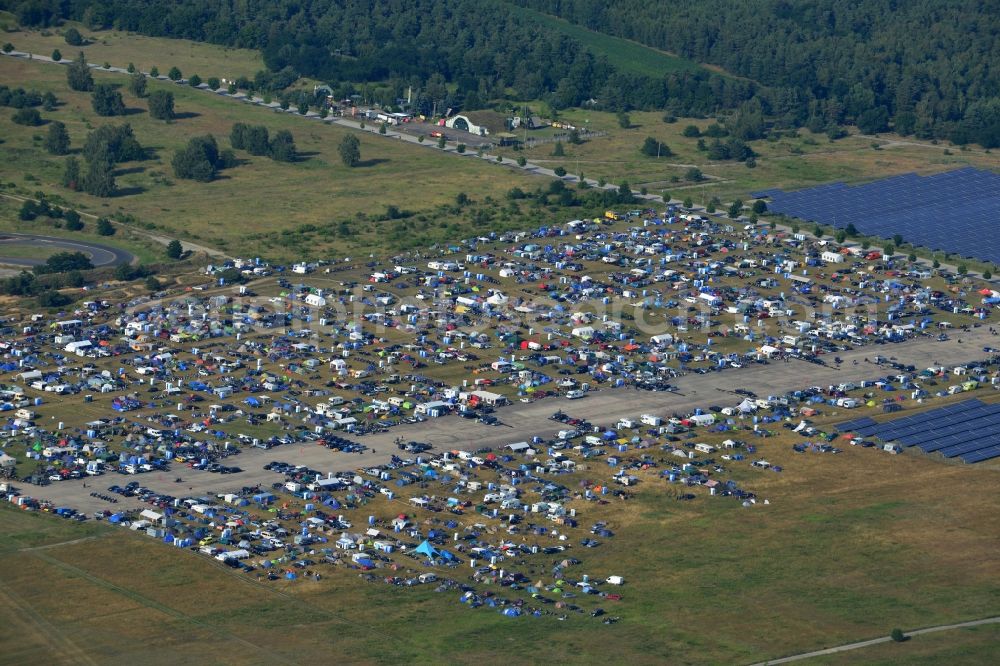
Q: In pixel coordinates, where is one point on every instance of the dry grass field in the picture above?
(255, 207)
(848, 547)
(121, 48)
(791, 163)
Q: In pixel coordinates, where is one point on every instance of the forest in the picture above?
(921, 67)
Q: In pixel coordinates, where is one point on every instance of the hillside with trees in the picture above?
(921, 68)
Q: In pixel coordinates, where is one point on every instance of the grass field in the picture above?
(972, 646)
(623, 54)
(254, 208)
(787, 163)
(121, 48)
(145, 250)
(26, 251)
(850, 546)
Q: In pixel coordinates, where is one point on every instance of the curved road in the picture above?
(100, 255)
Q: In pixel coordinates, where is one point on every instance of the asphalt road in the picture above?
(100, 255)
(522, 421)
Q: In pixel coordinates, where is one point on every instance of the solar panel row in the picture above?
(969, 429)
(954, 211)
(923, 419)
(970, 447)
(982, 454)
(851, 426)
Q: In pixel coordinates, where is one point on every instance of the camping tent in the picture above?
(427, 549)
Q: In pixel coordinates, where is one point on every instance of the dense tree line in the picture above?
(450, 53)
(921, 67)
(104, 147)
(201, 160)
(19, 98)
(256, 140)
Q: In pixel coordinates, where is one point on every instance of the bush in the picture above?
(53, 299)
(56, 55)
(194, 81)
(29, 117)
(460, 148)
(107, 101)
(691, 131)
(104, 227)
(897, 635)
(174, 74)
(73, 37)
(694, 174)
(521, 161)
(559, 171)
(214, 83)
(28, 212)
(651, 147)
(73, 221)
(64, 262)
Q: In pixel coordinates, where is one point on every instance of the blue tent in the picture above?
(427, 549)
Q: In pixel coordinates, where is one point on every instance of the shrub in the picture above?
(104, 227)
(73, 37)
(29, 117)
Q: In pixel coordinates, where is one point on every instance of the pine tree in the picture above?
(78, 75)
(99, 179)
(57, 139)
(71, 174)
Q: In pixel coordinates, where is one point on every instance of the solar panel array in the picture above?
(955, 211)
(969, 430)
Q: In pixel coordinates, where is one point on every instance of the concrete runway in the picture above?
(522, 421)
